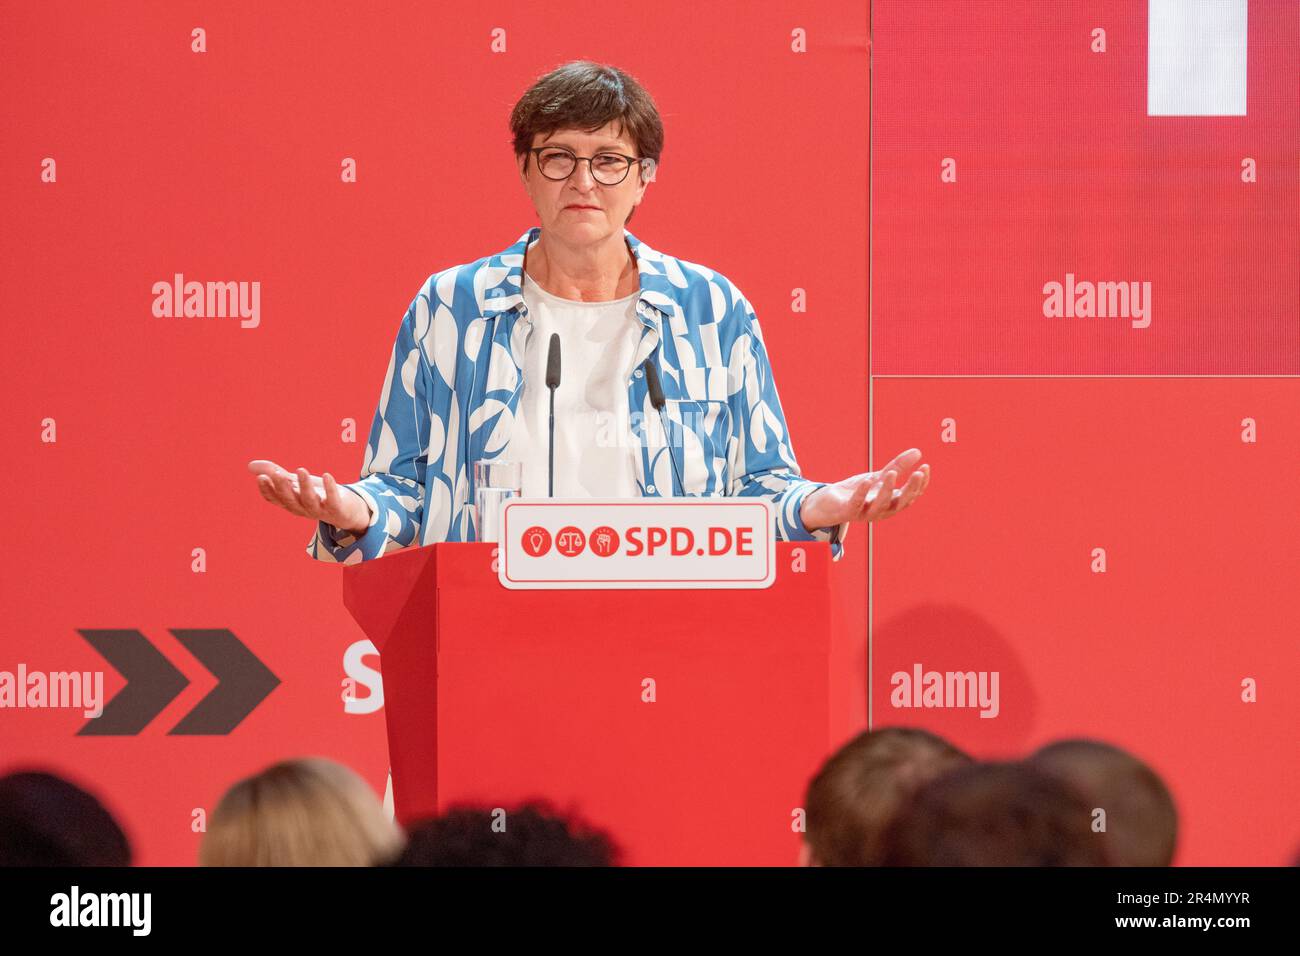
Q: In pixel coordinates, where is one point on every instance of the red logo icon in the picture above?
(604, 541)
(570, 542)
(536, 541)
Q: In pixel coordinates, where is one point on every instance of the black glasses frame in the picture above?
(538, 150)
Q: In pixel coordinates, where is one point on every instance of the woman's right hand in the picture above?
(302, 493)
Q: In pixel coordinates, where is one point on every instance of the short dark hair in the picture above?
(995, 814)
(1141, 820)
(535, 834)
(861, 786)
(46, 820)
(584, 95)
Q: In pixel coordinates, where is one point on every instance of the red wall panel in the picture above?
(225, 166)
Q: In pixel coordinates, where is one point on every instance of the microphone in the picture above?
(552, 383)
(657, 400)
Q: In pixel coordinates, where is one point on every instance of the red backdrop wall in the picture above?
(1111, 524)
(225, 165)
(821, 170)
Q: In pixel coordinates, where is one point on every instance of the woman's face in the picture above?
(560, 204)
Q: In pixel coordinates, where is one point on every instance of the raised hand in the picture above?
(302, 493)
(870, 496)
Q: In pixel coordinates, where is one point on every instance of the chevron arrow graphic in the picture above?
(151, 682)
(244, 681)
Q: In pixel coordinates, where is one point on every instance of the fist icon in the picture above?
(604, 541)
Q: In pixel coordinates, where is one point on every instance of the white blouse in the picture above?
(593, 445)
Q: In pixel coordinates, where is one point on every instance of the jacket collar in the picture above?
(502, 278)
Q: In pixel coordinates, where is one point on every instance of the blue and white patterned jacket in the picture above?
(454, 381)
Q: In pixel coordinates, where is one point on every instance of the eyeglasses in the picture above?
(610, 169)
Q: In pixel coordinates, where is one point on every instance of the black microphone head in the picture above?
(652, 383)
(553, 362)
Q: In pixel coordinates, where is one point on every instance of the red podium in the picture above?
(686, 722)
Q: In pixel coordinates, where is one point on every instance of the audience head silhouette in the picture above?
(46, 820)
(1141, 821)
(860, 788)
(995, 814)
(531, 835)
(305, 812)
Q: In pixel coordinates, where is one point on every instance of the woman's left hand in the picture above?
(870, 496)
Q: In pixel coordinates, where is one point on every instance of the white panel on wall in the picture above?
(1196, 57)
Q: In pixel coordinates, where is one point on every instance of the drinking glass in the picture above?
(495, 482)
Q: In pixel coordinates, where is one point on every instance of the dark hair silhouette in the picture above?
(532, 834)
(862, 785)
(1141, 821)
(995, 814)
(46, 820)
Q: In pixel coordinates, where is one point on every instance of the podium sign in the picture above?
(637, 543)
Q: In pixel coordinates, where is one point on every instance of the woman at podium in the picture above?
(661, 381)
